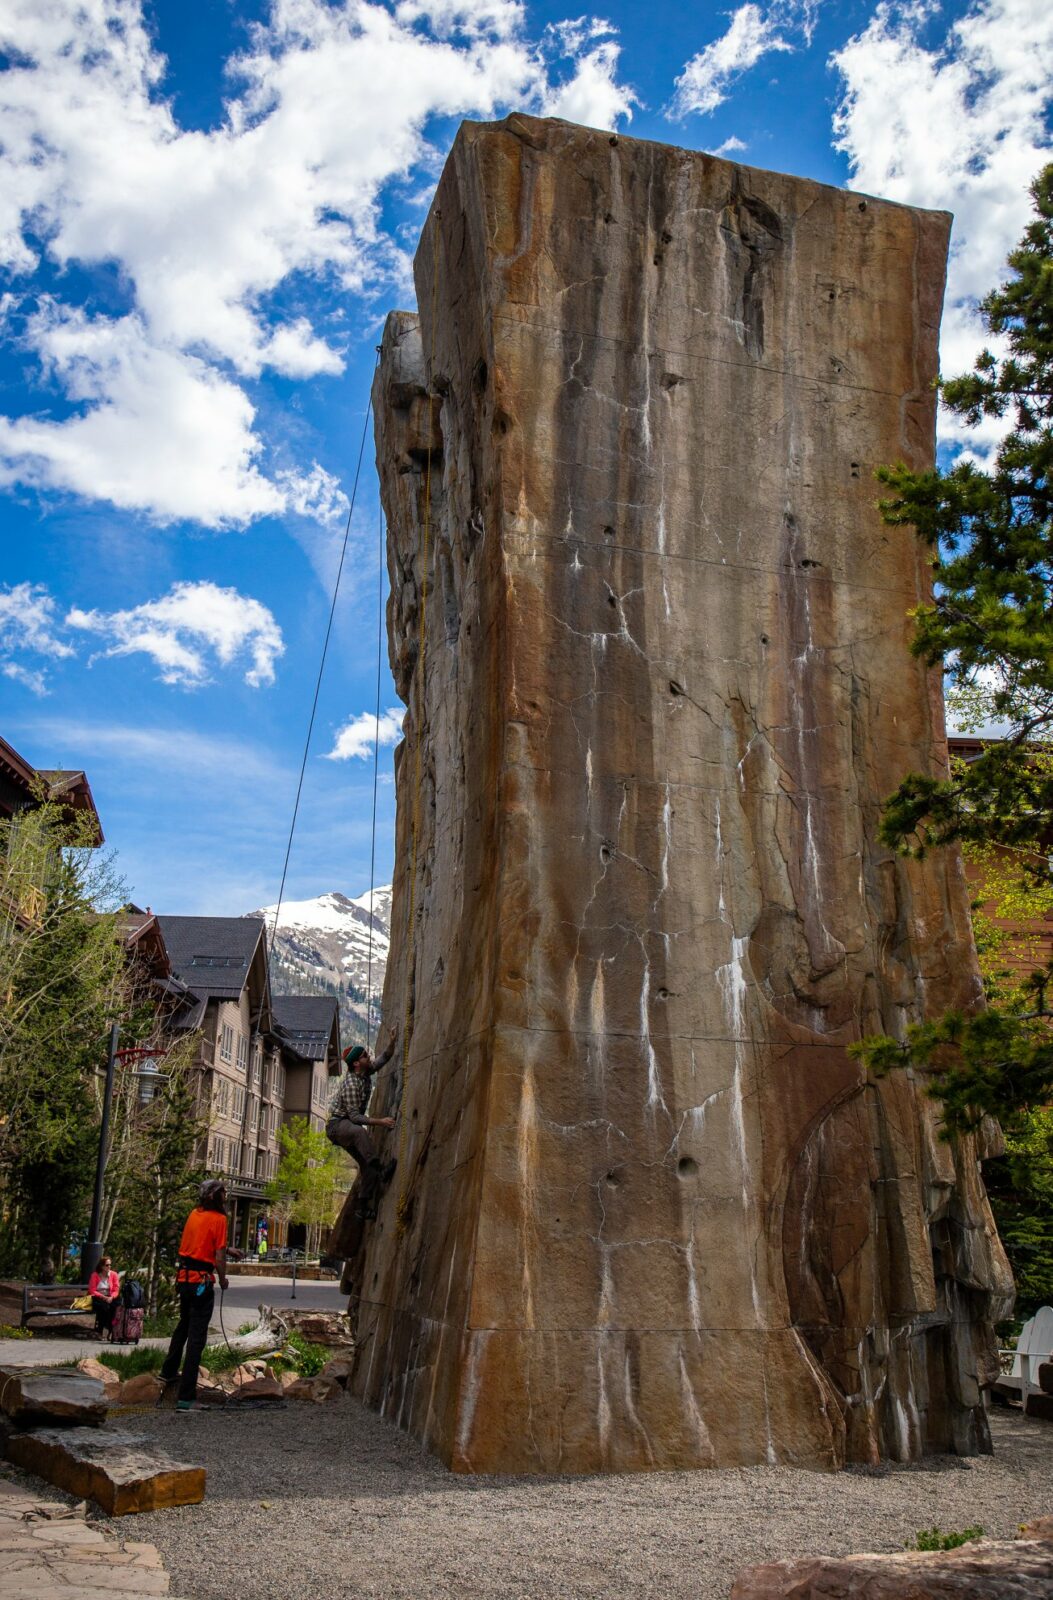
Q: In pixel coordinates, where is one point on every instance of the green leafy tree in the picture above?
(990, 624)
(153, 1175)
(311, 1177)
(61, 973)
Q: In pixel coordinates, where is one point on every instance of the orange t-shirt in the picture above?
(205, 1232)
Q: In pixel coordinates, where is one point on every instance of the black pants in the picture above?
(195, 1314)
(103, 1310)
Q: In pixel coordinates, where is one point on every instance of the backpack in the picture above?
(132, 1295)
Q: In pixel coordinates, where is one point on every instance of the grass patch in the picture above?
(9, 1332)
(160, 1327)
(246, 1327)
(218, 1358)
(935, 1539)
(129, 1363)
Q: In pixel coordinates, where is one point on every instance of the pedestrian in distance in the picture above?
(349, 1124)
(104, 1286)
(202, 1259)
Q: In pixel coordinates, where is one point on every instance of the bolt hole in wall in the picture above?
(686, 1167)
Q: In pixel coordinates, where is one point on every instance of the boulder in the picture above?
(145, 1389)
(31, 1395)
(101, 1373)
(1045, 1376)
(1040, 1405)
(320, 1391)
(340, 1369)
(237, 1377)
(121, 1472)
(984, 1569)
(672, 682)
(331, 1328)
(257, 1389)
(210, 1392)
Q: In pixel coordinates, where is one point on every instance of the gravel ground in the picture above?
(328, 1502)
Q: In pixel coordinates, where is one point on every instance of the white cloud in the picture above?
(729, 147)
(157, 430)
(592, 95)
(706, 80)
(29, 621)
(959, 127)
(328, 106)
(30, 677)
(224, 762)
(359, 736)
(188, 625)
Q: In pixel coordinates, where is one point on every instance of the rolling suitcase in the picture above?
(127, 1325)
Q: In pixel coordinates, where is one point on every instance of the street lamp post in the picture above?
(150, 1079)
(92, 1252)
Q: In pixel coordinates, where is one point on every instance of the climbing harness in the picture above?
(400, 1213)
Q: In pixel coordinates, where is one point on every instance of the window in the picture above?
(226, 1041)
(257, 1061)
(243, 1052)
(239, 1104)
(254, 1113)
(222, 1096)
(219, 1154)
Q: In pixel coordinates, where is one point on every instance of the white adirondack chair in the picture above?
(1034, 1345)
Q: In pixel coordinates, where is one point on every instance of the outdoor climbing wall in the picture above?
(649, 1212)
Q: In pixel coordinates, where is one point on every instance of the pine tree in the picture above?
(990, 624)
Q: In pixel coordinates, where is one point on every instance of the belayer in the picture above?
(202, 1259)
(348, 1125)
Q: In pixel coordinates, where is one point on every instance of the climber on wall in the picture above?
(348, 1125)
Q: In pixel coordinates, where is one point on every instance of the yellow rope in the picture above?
(400, 1214)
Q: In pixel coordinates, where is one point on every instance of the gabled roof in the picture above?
(308, 1025)
(213, 955)
(68, 788)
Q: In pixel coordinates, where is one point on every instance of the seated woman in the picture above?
(104, 1287)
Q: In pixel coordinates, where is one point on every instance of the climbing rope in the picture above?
(376, 770)
(321, 668)
(421, 683)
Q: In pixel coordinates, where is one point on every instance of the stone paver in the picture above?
(50, 1552)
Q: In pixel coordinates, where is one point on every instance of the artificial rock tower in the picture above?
(653, 1214)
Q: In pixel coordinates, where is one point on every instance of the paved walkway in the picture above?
(239, 1306)
(49, 1552)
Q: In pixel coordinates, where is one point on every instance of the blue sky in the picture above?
(205, 211)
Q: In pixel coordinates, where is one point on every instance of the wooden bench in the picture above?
(52, 1300)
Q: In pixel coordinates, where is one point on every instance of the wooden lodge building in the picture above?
(262, 1059)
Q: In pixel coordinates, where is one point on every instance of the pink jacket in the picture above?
(106, 1287)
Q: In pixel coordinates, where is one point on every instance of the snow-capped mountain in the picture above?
(324, 944)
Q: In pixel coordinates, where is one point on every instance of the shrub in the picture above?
(7, 1332)
(307, 1358)
(933, 1539)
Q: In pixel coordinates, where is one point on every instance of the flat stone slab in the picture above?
(121, 1472)
(49, 1552)
(984, 1569)
(29, 1396)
